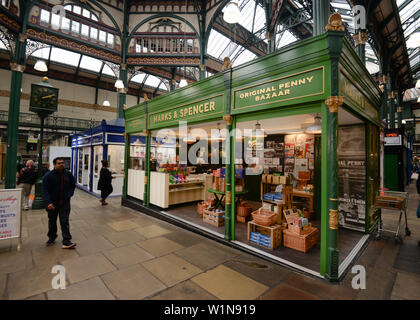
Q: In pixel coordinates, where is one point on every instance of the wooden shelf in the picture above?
(185, 184)
(185, 189)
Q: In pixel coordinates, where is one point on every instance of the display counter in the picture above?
(164, 194)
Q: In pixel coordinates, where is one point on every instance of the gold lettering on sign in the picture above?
(282, 89)
(201, 108)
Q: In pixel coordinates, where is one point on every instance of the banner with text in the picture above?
(10, 210)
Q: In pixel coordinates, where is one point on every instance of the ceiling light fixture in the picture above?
(316, 128)
(106, 103)
(258, 131)
(231, 13)
(183, 82)
(119, 84)
(41, 66)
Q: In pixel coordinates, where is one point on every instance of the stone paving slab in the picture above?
(407, 286)
(87, 267)
(25, 284)
(123, 225)
(225, 283)
(51, 256)
(93, 245)
(159, 246)
(287, 292)
(152, 231)
(133, 282)
(127, 256)
(92, 289)
(171, 269)
(3, 281)
(205, 256)
(123, 238)
(186, 290)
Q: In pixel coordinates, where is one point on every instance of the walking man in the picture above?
(27, 177)
(57, 188)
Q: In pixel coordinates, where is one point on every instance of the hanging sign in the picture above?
(10, 213)
(291, 87)
(196, 111)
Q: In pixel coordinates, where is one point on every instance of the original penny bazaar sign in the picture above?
(196, 111)
(299, 85)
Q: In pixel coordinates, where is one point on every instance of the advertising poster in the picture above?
(352, 177)
(10, 210)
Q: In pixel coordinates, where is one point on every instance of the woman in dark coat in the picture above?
(105, 182)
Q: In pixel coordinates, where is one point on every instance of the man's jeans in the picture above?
(63, 212)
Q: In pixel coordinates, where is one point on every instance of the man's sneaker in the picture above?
(49, 243)
(68, 245)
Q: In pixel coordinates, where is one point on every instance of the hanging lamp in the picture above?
(231, 13)
(119, 84)
(258, 131)
(41, 66)
(316, 128)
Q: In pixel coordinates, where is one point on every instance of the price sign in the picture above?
(10, 214)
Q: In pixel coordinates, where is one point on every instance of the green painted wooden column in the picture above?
(317, 177)
(329, 189)
(122, 93)
(229, 200)
(17, 67)
(146, 196)
(321, 12)
(360, 39)
(126, 160)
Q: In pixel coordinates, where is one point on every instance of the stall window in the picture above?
(116, 159)
(137, 153)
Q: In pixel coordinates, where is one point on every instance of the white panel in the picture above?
(159, 189)
(135, 183)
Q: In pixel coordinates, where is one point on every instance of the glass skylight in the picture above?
(65, 56)
(108, 71)
(91, 64)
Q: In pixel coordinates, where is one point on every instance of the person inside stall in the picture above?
(105, 182)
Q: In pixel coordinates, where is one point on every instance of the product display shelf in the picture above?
(265, 236)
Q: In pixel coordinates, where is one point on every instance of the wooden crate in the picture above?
(300, 242)
(267, 237)
(213, 218)
(243, 219)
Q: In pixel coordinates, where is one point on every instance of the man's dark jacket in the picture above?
(57, 188)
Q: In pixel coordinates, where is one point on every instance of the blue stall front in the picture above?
(90, 147)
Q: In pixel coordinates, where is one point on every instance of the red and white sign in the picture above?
(10, 213)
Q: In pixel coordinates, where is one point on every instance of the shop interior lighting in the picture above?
(316, 128)
(231, 13)
(258, 134)
(41, 66)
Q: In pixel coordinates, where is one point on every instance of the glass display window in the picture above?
(116, 159)
(137, 152)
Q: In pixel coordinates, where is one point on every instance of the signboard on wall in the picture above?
(196, 111)
(352, 177)
(393, 140)
(10, 213)
(307, 83)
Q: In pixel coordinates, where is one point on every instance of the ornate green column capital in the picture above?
(360, 38)
(17, 67)
(23, 37)
(333, 103)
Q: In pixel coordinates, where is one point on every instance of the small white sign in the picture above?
(393, 141)
(10, 213)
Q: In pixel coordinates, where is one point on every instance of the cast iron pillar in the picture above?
(330, 201)
(321, 12)
(202, 41)
(229, 198)
(384, 100)
(126, 164)
(391, 97)
(39, 201)
(172, 82)
(122, 92)
(146, 196)
(17, 67)
(360, 39)
(399, 109)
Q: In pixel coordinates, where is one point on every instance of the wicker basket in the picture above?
(264, 217)
(300, 242)
(243, 209)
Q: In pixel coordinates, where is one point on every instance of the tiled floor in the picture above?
(124, 254)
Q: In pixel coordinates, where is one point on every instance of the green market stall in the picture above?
(321, 76)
